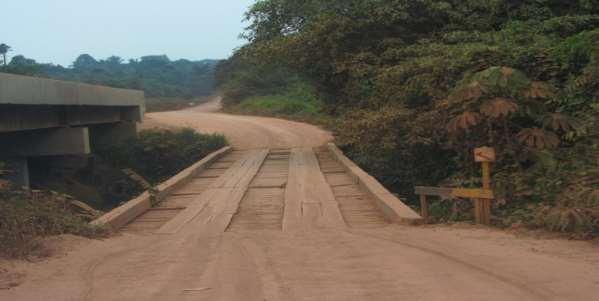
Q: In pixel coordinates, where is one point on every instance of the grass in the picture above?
(297, 102)
(279, 106)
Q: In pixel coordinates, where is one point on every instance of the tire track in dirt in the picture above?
(519, 284)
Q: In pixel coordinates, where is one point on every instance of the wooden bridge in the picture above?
(270, 189)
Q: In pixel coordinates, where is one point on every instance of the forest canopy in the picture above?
(157, 75)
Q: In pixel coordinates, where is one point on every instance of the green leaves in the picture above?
(559, 122)
(416, 84)
(538, 138)
(463, 121)
(498, 108)
(502, 80)
(539, 90)
(159, 154)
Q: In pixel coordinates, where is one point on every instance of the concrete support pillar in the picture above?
(109, 134)
(19, 170)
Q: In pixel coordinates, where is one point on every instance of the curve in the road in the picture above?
(243, 132)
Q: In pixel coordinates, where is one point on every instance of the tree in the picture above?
(114, 61)
(20, 60)
(85, 61)
(24, 66)
(4, 49)
(157, 75)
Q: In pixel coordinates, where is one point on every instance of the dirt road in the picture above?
(263, 256)
(243, 132)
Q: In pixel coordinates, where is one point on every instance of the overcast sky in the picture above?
(57, 31)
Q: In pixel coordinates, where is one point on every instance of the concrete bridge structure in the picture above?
(42, 117)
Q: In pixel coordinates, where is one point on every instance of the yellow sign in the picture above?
(472, 193)
(484, 154)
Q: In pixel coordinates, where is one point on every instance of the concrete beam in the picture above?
(53, 142)
(132, 114)
(25, 90)
(109, 134)
(15, 118)
(18, 118)
(84, 115)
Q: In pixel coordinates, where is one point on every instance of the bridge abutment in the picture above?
(18, 170)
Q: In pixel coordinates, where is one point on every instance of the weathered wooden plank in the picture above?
(223, 197)
(268, 182)
(444, 193)
(195, 186)
(340, 179)
(472, 193)
(260, 209)
(309, 199)
(212, 173)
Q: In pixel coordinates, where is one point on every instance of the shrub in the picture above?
(159, 154)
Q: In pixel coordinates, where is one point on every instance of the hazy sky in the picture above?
(57, 31)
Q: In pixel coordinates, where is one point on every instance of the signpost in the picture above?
(481, 197)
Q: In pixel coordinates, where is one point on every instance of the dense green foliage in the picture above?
(416, 84)
(298, 101)
(157, 75)
(160, 154)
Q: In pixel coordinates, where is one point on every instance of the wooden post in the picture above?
(476, 204)
(486, 176)
(482, 207)
(424, 208)
(487, 211)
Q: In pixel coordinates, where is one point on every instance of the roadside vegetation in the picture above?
(158, 155)
(120, 172)
(26, 217)
(413, 86)
(298, 102)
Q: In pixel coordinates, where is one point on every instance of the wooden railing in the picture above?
(481, 197)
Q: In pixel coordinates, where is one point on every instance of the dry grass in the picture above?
(27, 216)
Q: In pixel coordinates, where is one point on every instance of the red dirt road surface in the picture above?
(285, 241)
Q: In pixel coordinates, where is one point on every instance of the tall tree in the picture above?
(85, 61)
(4, 49)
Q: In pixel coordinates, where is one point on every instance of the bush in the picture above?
(160, 154)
